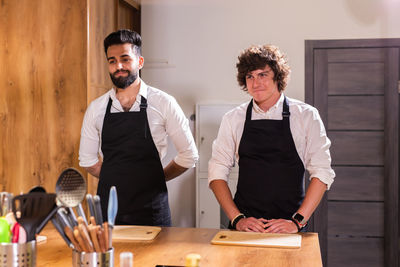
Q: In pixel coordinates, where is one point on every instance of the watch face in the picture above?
(298, 217)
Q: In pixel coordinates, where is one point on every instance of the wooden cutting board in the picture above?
(236, 238)
(134, 233)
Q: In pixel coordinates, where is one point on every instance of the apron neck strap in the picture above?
(249, 109)
(109, 106)
(285, 110)
(143, 103)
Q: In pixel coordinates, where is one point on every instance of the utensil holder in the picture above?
(94, 259)
(18, 255)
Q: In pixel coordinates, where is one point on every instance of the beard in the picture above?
(123, 82)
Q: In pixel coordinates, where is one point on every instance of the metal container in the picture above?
(18, 255)
(94, 259)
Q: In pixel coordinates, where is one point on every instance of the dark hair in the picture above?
(122, 37)
(257, 57)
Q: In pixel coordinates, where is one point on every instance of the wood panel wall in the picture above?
(52, 65)
(43, 96)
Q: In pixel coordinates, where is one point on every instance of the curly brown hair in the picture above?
(257, 57)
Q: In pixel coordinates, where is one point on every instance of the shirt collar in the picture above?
(142, 91)
(277, 105)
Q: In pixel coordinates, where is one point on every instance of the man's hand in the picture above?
(173, 170)
(281, 226)
(95, 169)
(251, 224)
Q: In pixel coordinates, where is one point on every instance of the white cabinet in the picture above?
(208, 120)
(208, 212)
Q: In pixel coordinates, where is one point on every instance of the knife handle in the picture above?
(93, 235)
(106, 235)
(93, 220)
(100, 236)
(81, 221)
(70, 234)
(79, 238)
(86, 238)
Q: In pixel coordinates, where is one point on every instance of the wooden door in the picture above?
(128, 15)
(353, 84)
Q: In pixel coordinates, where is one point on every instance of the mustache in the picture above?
(121, 71)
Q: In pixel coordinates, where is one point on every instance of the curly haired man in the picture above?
(274, 139)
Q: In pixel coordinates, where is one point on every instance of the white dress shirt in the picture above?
(307, 129)
(165, 118)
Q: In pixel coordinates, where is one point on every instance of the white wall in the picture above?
(191, 46)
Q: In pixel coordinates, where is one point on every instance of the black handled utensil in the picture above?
(30, 210)
(37, 189)
(97, 208)
(40, 189)
(89, 200)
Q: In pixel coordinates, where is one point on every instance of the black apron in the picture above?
(131, 163)
(271, 173)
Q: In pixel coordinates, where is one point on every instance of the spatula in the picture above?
(31, 210)
(112, 210)
(34, 190)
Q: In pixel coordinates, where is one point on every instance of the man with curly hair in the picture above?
(274, 139)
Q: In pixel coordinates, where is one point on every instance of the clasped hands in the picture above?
(262, 225)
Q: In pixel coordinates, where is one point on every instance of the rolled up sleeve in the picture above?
(317, 156)
(90, 141)
(223, 153)
(177, 127)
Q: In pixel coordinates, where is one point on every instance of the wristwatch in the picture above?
(299, 220)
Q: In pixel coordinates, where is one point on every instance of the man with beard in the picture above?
(124, 137)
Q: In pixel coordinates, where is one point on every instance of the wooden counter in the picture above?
(172, 245)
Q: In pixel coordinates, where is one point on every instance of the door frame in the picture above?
(318, 222)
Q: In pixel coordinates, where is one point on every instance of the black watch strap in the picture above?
(297, 225)
(237, 219)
